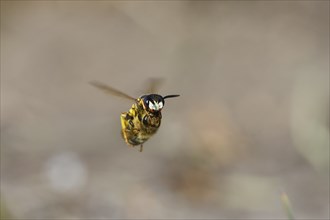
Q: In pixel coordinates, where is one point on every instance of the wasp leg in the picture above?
(141, 147)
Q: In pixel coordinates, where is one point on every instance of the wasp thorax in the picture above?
(153, 102)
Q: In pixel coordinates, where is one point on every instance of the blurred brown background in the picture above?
(252, 120)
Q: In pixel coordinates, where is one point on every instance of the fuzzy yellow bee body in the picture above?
(143, 119)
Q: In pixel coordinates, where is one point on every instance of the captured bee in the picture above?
(144, 118)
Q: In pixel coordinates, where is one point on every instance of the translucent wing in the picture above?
(110, 90)
(153, 85)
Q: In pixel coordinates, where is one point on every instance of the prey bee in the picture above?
(143, 119)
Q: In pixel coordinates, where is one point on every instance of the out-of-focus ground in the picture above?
(252, 120)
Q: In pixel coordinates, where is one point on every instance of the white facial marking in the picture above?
(156, 105)
(151, 106)
(160, 105)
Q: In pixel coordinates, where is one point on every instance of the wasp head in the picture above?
(154, 102)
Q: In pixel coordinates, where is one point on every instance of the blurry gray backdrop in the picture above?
(252, 121)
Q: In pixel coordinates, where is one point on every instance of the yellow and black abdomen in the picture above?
(138, 125)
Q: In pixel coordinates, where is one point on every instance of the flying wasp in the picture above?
(144, 118)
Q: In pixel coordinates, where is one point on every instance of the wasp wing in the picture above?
(153, 85)
(110, 90)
